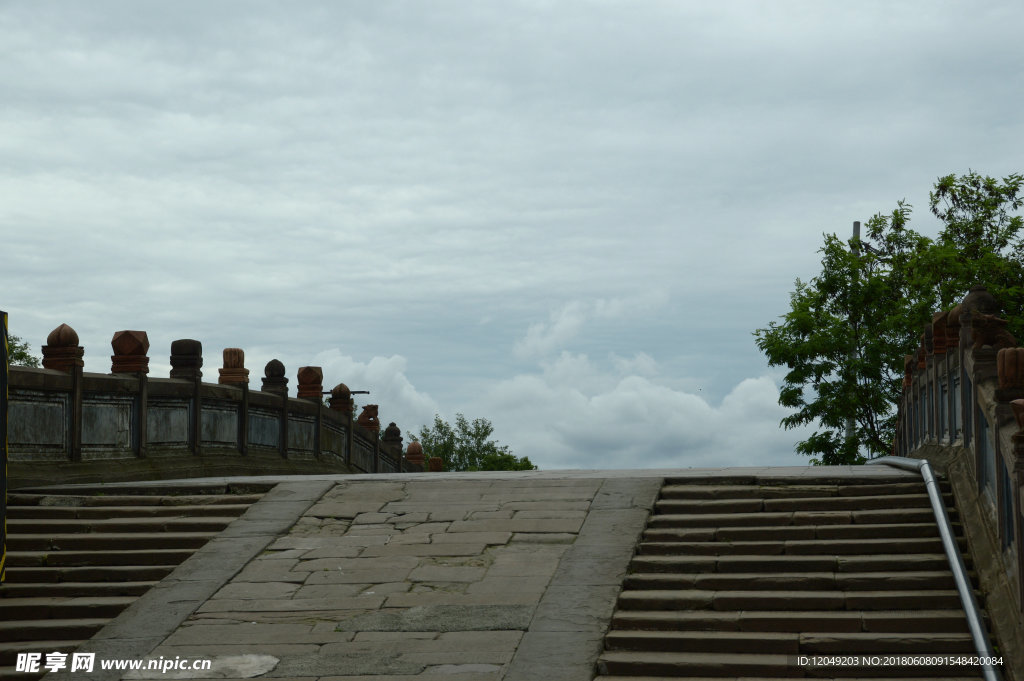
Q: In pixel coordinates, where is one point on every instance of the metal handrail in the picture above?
(956, 561)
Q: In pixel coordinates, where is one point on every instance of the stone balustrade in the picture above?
(962, 408)
(67, 425)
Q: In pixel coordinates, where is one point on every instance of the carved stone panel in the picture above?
(264, 428)
(106, 422)
(167, 422)
(220, 423)
(37, 425)
(300, 437)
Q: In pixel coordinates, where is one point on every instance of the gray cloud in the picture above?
(455, 184)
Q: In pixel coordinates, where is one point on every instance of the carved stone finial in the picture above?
(130, 348)
(233, 372)
(1010, 368)
(274, 380)
(990, 330)
(939, 342)
(414, 453)
(311, 380)
(186, 359)
(435, 464)
(62, 351)
(274, 369)
(393, 435)
(368, 419)
(341, 399)
(979, 301)
(62, 337)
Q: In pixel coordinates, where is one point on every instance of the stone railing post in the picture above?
(234, 373)
(341, 401)
(130, 348)
(393, 438)
(187, 364)
(63, 353)
(414, 453)
(368, 421)
(275, 381)
(311, 383)
(311, 387)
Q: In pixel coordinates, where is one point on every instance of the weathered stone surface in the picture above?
(441, 573)
(567, 656)
(293, 604)
(244, 590)
(447, 549)
(271, 570)
(442, 618)
(517, 525)
(490, 538)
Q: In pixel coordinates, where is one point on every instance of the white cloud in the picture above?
(573, 414)
(400, 401)
(565, 323)
(544, 337)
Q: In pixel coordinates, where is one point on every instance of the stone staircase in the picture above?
(78, 556)
(737, 578)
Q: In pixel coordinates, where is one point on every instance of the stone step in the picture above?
(131, 524)
(796, 481)
(100, 573)
(51, 629)
(83, 498)
(56, 607)
(93, 512)
(783, 518)
(83, 558)
(65, 589)
(105, 541)
(904, 599)
(691, 491)
(772, 678)
(9, 651)
(797, 581)
(952, 620)
(919, 500)
(802, 547)
(762, 533)
(716, 665)
(792, 563)
(790, 643)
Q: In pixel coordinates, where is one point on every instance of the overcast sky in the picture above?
(565, 217)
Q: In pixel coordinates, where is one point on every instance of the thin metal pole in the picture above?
(850, 355)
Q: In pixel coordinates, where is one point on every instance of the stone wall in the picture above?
(963, 409)
(66, 425)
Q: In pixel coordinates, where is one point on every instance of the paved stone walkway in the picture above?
(472, 577)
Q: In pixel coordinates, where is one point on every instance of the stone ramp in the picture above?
(77, 557)
(739, 579)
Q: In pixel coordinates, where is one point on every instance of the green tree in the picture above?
(849, 328)
(466, 446)
(19, 353)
